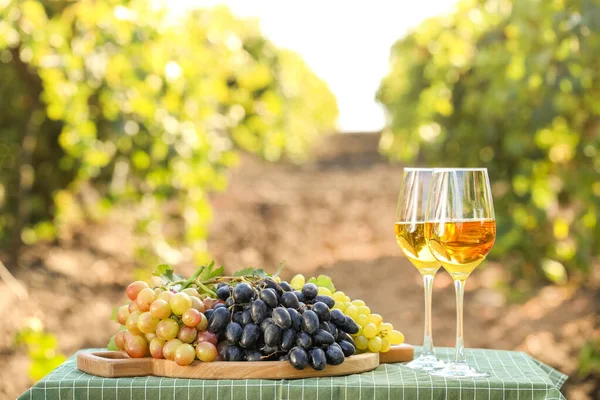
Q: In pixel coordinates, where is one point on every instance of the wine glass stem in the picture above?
(460, 358)
(427, 336)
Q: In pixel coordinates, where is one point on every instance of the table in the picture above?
(515, 375)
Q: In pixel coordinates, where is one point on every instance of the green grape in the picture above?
(197, 304)
(340, 305)
(361, 342)
(297, 282)
(136, 346)
(324, 291)
(180, 302)
(156, 348)
(352, 312)
(187, 334)
(170, 347)
(123, 314)
(184, 354)
(375, 318)
(340, 296)
(134, 288)
(166, 296)
(132, 321)
(160, 309)
(158, 291)
(362, 320)
(150, 336)
(375, 344)
(395, 337)
(145, 298)
(370, 330)
(147, 322)
(167, 329)
(385, 345)
(358, 303)
(364, 310)
(206, 351)
(385, 327)
(133, 307)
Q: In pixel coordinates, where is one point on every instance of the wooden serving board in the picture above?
(116, 364)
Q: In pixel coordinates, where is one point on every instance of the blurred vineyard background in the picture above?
(129, 137)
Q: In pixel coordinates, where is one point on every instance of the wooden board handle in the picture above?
(113, 363)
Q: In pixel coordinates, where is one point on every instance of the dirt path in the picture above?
(333, 216)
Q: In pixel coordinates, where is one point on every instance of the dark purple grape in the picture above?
(233, 333)
(322, 311)
(259, 311)
(329, 301)
(347, 348)
(303, 340)
(289, 300)
(309, 291)
(284, 357)
(220, 305)
(324, 326)
(299, 295)
(229, 302)
(237, 317)
(310, 322)
(350, 326)
(272, 335)
(286, 286)
(296, 319)
(322, 337)
(234, 353)
(334, 355)
(250, 336)
(344, 336)
(317, 359)
(333, 329)
(298, 358)
(253, 355)
(223, 292)
(266, 322)
(338, 317)
(269, 296)
(281, 317)
(242, 293)
(271, 284)
(247, 317)
(269, 350)
(208, 313)
(288, 339)
(218, 320)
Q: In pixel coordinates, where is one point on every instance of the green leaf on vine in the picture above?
(323, 281)
(165, 271)
(209, 272)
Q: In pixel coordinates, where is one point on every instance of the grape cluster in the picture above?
(268, 320)
(373, 334)
(167, 324)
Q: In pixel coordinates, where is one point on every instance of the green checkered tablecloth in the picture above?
(514, 375)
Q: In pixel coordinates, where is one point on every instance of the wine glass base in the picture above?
(426, 363)
(454, 370)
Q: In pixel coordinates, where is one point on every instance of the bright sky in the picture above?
(346, 43)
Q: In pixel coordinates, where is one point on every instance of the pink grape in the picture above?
(187, 334)
(166, 296)
(209, 303)
(160, 309)
(185, 354)
(133, 307)
(167, 329)
(120, 338)
(206, 351)
(170, 347)
(145, 298)
(179, 303)
(123, 314)
(197, 304)
(206, 336)
(203, 323)
(134, 288)
(191, 292)
(147, 322)
(191, 317)
(156, 348)
(136, 346)
(132, 321)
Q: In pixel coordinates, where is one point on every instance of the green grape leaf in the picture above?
(279, 268)
(251, 271)
(165, 272)
(208, 272)
(323, 281)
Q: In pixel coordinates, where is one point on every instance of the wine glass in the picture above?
(460, 231)
(409, 229)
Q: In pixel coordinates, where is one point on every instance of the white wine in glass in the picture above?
(460, 231)
(410, 235)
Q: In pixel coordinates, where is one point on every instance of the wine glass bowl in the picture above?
(410, 229)
(460, 231)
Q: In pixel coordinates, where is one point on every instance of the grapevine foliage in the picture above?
(119, 99)
(512, 86)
